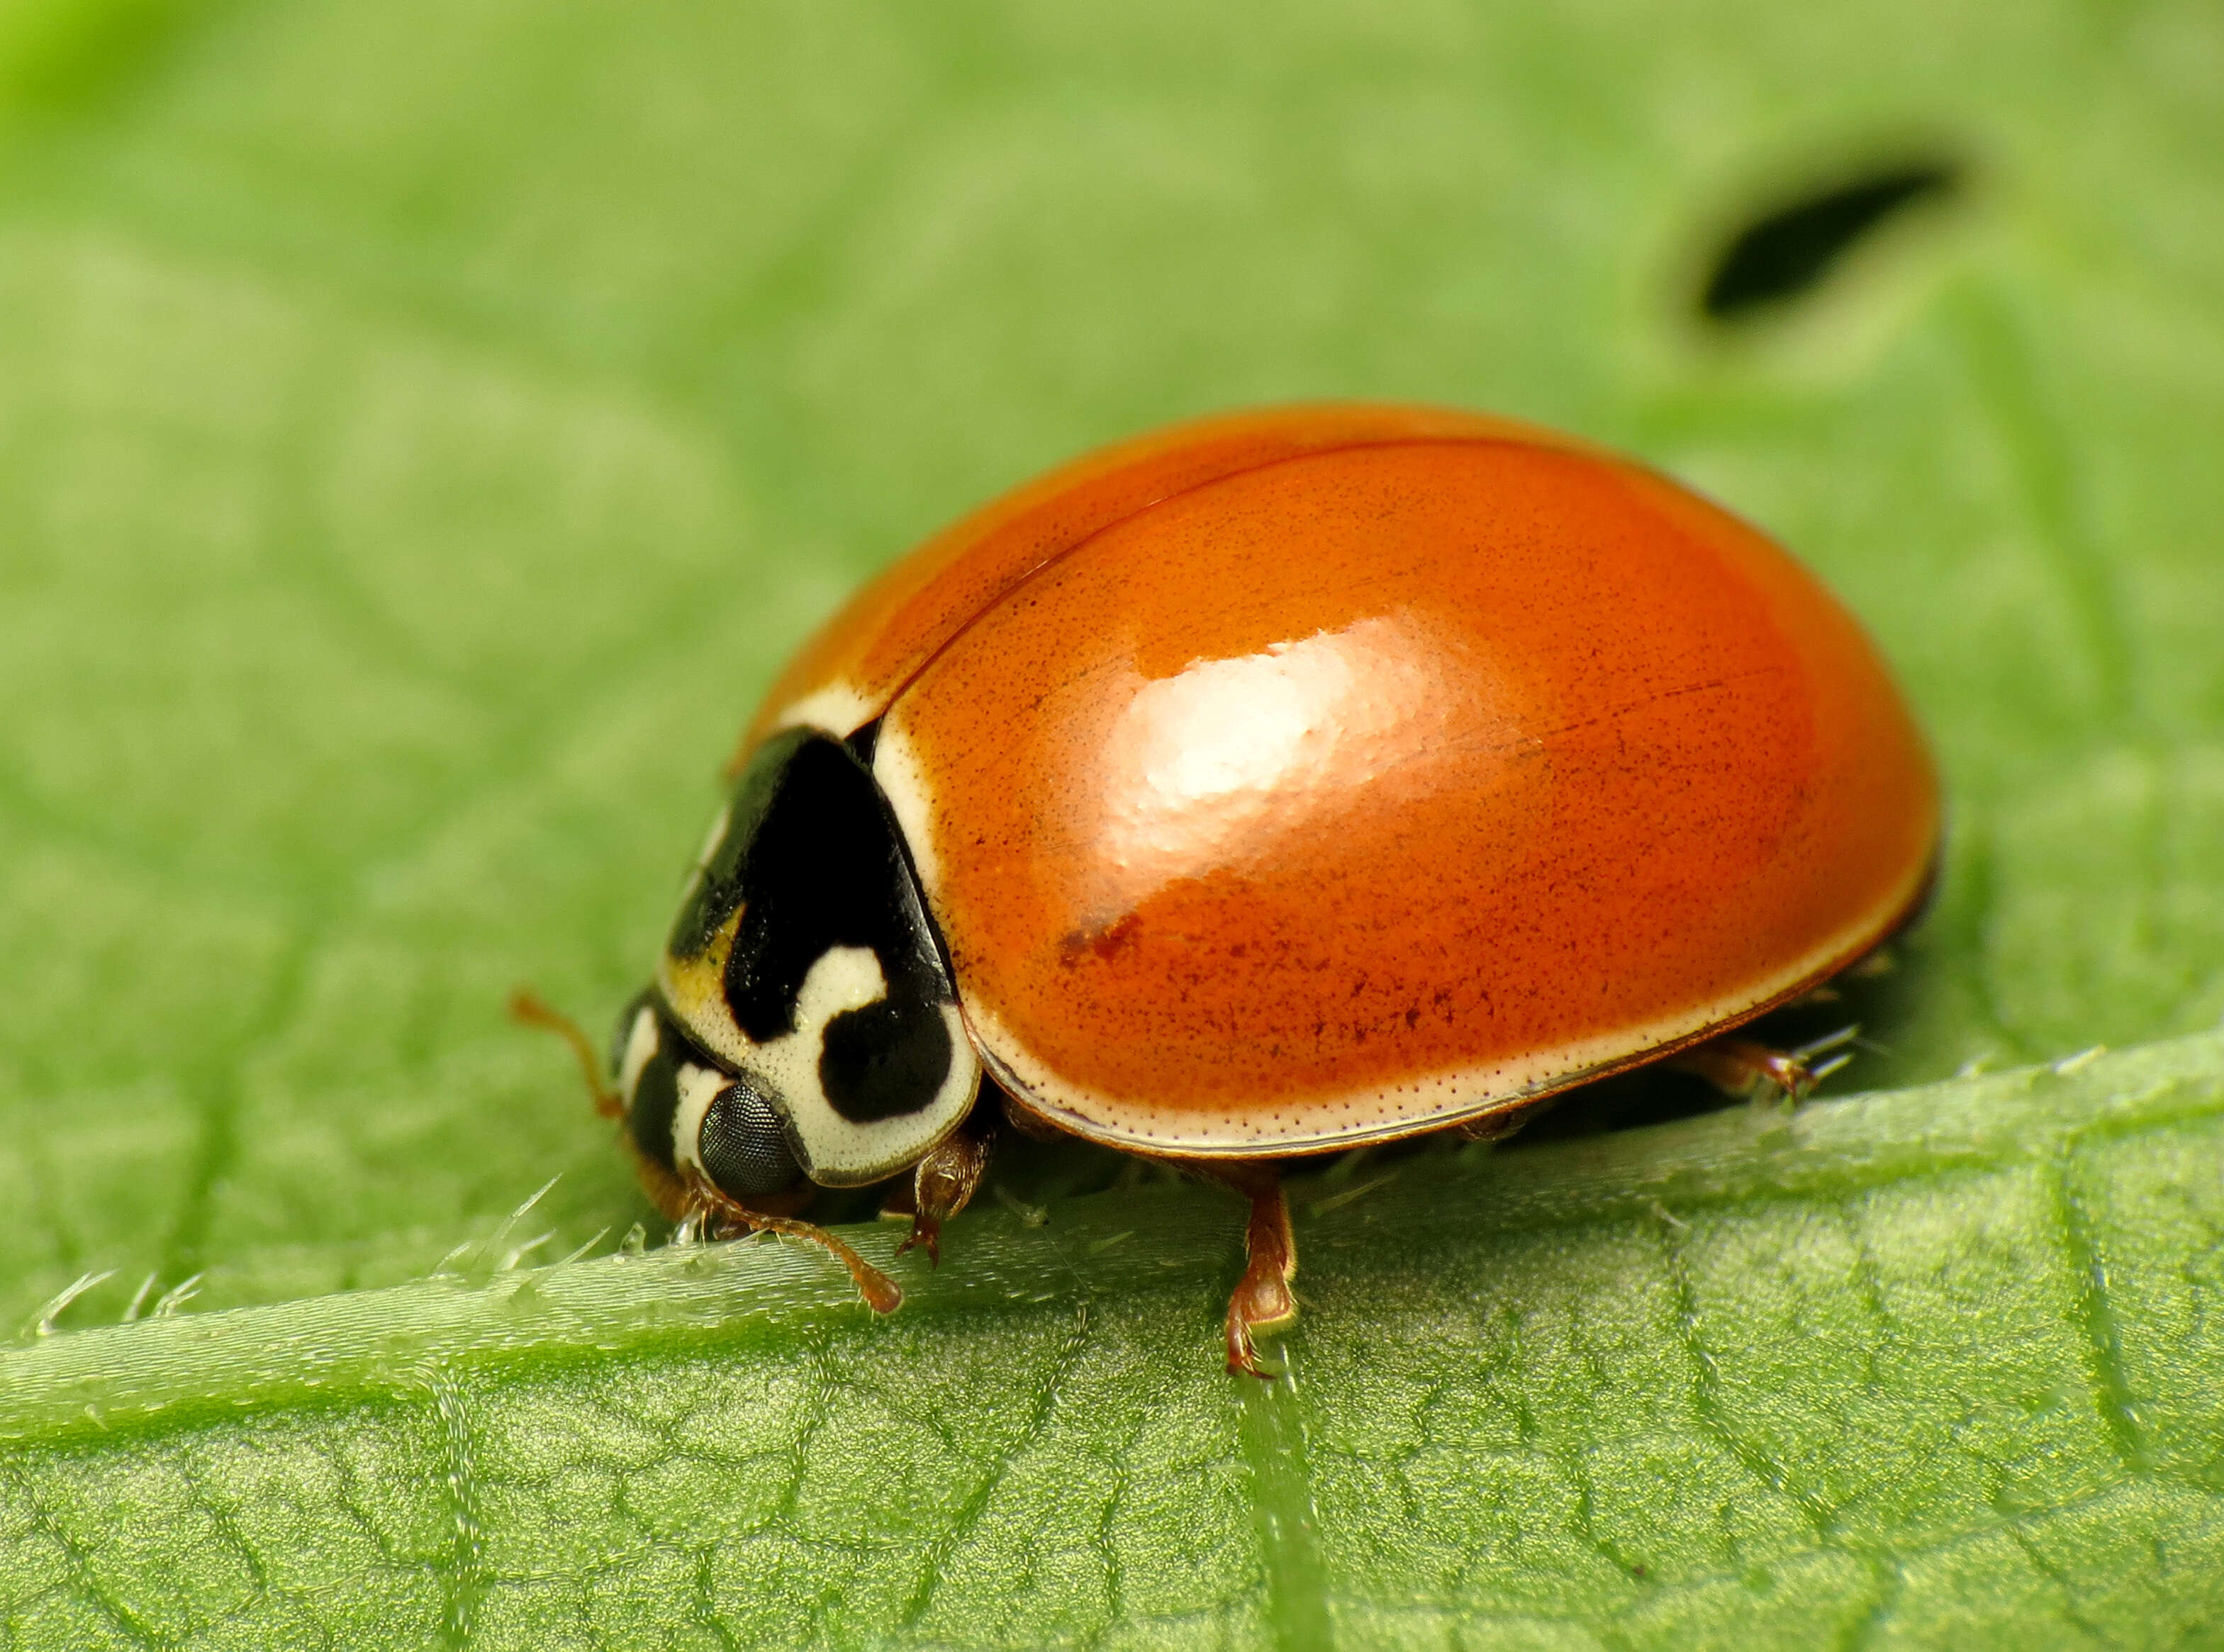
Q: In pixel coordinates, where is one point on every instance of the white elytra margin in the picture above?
(1266, 1128)
(902, 779)
(837, 709)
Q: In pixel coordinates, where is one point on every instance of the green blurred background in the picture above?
(425, 427)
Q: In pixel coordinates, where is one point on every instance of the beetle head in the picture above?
(802, 1003)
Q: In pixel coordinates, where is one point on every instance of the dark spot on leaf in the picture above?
(1792, 248)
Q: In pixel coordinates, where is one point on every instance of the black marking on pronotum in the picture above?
(743, 1145)
(1792, 246)
(716, 889)
(823, 869)
(813, 859)
(885, 1059)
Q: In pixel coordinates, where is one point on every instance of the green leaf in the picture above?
(1902, 1362)
(425, 427)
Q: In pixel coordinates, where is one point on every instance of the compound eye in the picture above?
(742, 1146)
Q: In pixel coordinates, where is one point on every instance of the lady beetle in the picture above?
(1265, 787)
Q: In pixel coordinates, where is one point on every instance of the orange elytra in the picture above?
(1263, 786)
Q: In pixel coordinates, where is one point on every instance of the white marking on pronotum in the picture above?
(835, 1151)
(843, 978)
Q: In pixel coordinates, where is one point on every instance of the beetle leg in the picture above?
(943, 1185)
(1262, 1299)
(730, 1216)
(1496, 1127)
(527, 1006)
(1031, 1126)
(1745, 1070)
